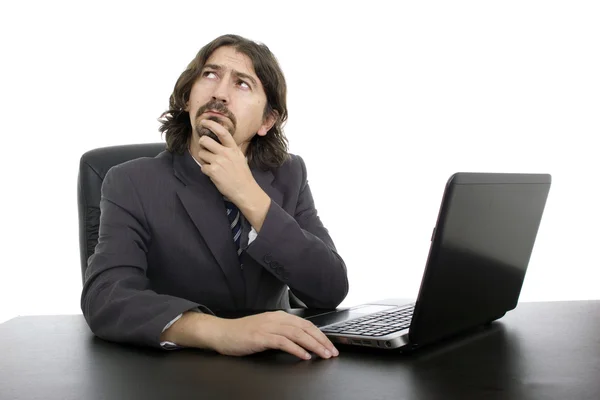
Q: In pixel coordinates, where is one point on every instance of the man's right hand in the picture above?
(252, 334)
(272, 330)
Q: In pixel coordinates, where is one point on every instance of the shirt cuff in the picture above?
(172, 322)
(170, 345)
(252, 235)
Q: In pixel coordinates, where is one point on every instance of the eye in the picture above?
(209, 74)
(243, 84)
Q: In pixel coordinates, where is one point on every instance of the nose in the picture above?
(221, 92)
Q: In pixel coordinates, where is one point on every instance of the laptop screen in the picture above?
(484, 238)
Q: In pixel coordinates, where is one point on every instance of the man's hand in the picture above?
(248, 335)
(272, 330)
(226, 165)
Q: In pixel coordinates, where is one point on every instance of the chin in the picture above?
(207, 132)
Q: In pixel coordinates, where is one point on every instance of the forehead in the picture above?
(230, 59)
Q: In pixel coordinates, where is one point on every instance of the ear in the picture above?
(268, 123)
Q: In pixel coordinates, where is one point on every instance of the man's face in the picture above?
(229, 92)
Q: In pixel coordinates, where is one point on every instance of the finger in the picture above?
(282, 343)
(316, 333)
(222, 133)
(303, 339)
(307, 326)
(322, 339)
(210, 144)
(206, 157)
(208, 170)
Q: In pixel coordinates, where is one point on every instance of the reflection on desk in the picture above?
(540, 350)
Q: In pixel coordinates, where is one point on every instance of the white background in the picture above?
(385, 102)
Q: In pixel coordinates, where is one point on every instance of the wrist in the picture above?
(248, 197)
(193, 329)
(255, 207)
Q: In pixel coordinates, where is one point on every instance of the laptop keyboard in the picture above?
(379, 324)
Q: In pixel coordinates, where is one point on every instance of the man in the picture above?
(222, 220)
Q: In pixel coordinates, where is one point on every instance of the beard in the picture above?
(204, 131)
(219, 107)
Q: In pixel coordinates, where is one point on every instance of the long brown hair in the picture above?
(265, 152)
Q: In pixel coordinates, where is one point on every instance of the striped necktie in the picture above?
(235, 223)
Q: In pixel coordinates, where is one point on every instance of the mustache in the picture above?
(215, 105)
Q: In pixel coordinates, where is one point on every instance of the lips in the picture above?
(215, 112)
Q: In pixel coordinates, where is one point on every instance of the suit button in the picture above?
(274, 265)
(268, 258)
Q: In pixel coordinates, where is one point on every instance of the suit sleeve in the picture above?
(299, 251)
(117, 301)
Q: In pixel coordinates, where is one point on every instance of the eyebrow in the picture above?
(236, 73)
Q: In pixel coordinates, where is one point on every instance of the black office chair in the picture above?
(93, 167)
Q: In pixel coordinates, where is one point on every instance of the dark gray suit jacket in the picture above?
(165, 247)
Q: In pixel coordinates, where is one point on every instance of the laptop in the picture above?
(479, 253)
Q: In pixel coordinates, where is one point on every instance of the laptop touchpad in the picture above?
(343, 315)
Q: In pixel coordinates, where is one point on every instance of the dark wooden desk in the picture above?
(538, 351)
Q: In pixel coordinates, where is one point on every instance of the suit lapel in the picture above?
(252, 275)
(204, 204)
